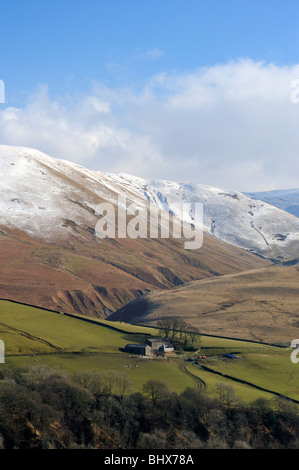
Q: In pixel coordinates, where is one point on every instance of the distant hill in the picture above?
(287, 200)
(259, 305)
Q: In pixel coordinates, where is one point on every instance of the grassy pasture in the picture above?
(30, 330)
(36, 336)
(273, 371)
(246, 393)
(137, 369)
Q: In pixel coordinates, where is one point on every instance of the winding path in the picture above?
(199, 383)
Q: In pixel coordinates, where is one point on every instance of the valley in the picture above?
(51, 257)
(36, 337)
(258, 305)
(72, 301)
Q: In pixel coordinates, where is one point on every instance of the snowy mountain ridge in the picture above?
(40, 193)
(228, 215)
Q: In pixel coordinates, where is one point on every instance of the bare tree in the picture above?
(226, 395)
(174, 327)
(122, 385)
(108, 382)
(193, 333)
(165, 326)
(156, 390)
(182, 327)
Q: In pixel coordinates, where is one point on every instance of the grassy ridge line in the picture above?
(129, 330)
(64, 332)
(245, 382)
(227, 337)
(31, 337)
(28, 305)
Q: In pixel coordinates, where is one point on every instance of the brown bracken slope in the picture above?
(259, 305)
(80, 273)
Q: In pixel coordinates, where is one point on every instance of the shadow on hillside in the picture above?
(135, 338)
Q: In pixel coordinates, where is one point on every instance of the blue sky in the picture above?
(123, 61)
(70, 43)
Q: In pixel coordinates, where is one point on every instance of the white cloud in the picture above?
(231, 125)
(155, 53)
(83, 131)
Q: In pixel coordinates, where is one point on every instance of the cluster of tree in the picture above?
(40, 408)
(177, 330)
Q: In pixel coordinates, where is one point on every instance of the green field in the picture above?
(273, 371)
(37, 336)
(246, 393)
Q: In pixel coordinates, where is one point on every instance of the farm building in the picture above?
(167, 348)
(143, 349)
(158, 343)
(152, 346)
(155, 343)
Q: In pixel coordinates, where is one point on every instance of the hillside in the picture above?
(228, 215)
(51, 257)
(259, 305)
(96, 279)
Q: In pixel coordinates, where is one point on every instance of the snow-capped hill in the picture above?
(37, 192)
(45, 196)
(227, 215)
(287, 200)
(41, 195)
